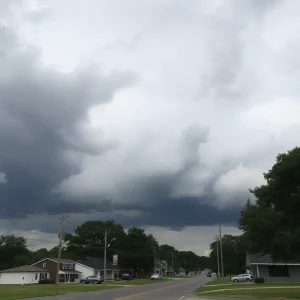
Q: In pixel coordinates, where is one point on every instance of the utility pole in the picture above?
(218, 258)
(173, 262)
(105, 248)
(185, 265)
(221, 251)
(167, 266)
(154, 261)
(61, 228)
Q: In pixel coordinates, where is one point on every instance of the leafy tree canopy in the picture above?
(271, 224)
(234, 250)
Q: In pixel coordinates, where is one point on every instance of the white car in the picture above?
(242, 278)
(156, 277)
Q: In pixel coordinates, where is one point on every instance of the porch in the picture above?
(69, 276)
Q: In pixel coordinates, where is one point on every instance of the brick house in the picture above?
(67, 272)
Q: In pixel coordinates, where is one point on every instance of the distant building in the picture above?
(95, 266)
(263, 266)
(23, 275)
(163, 268)
(67, 272)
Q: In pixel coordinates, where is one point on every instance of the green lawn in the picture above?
(216, 281)
(268, 290)
(184, 276)
(14, 292)
(136, 281)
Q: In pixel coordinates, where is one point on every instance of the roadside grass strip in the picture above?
(271, 290)
(14, 292)
(217, 281)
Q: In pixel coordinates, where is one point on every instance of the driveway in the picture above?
(170, 290)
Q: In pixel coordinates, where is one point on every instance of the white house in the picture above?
(95, 266)
(23, 275)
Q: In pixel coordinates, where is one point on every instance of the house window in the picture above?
(36, 275)
(279, 271)
(76, 276)
(44, 265)
(69, 266)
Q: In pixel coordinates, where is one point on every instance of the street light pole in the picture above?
(218, 258)
(221, 251)
(105, 248)
(105, 252)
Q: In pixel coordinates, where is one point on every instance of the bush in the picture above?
(259, 280)
(47, 281)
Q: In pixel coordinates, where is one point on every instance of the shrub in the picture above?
(259, 280)
(46, 281)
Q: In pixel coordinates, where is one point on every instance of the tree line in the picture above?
(270, 224)
(136, 249)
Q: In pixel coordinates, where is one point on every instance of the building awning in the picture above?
(69, 272)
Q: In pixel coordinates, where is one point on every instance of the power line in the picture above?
(28, 213)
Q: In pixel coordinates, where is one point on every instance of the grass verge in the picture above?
(185, 276)
(216, 281)
(269, 290)
(15, 292)
(137, 281)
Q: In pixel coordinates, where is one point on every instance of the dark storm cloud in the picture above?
(43, 139)
(42, 118)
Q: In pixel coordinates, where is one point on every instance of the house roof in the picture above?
(164, 265)
(23, 269)
(96, 263)
(62, 260)
(253, 259)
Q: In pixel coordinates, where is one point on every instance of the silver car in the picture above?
(242, 278)
(156, 276)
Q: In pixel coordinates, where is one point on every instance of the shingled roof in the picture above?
(253, 259)
(23, 269)
(97, 263)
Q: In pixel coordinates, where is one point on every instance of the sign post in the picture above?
(116, 262)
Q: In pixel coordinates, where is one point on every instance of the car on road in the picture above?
(242, 278)
(92, 279)
(126, 276)
(208, 274)
(156, 277)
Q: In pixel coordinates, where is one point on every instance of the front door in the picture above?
(72, 277)
(67, 277)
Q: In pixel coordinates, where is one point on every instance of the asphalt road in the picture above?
(172, 290)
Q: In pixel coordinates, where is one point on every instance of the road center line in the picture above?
(148, 292)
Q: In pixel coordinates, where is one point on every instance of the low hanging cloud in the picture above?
(160, 114)
(3, 178)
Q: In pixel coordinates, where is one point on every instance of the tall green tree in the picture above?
(271, 224)
(190, 261)
(234, 250)
(88, 239)
(140, 251)
(13, 251)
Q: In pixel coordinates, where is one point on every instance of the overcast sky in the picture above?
(158, 113)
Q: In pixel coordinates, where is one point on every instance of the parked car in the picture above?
(208, 274)
(126, 276)
(92, 279)
(242, 278)
(156, 276)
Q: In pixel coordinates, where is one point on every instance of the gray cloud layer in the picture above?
(175, 139)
